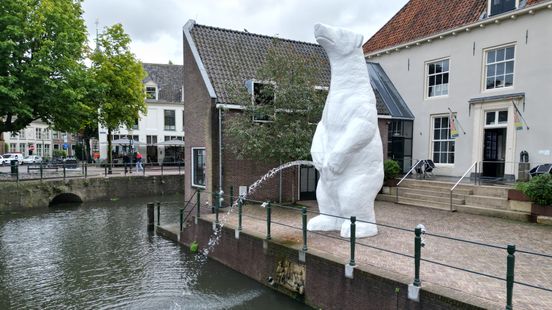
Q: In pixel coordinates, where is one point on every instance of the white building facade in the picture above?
(164, 120)
(39, 139)
(481, 73)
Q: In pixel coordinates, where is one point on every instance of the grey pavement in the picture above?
(529, 269)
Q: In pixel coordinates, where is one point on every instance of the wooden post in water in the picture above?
(151, 216)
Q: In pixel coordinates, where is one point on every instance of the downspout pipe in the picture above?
(219, 108)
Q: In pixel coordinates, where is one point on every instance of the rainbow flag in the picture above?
(453, 131)
(517, 120)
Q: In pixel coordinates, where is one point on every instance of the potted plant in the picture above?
(391, 170)
(539, 190)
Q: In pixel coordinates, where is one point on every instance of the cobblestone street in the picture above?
(529, 269)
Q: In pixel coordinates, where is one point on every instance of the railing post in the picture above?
(198, 204)
(240, 210)
(181, 219)
(105, 170)
(158, 213)
(143, 169)
(510, 264)
(451, 200)
(397, 194)
(85, 170)
(151, 213)
(41, 171)
(268, 220)
(304, 220)
(417, 255)
(231, 196)
(353, 240)
(178, 168)
(475, 176)
(217, 206)
(161, 168)
(63, 171)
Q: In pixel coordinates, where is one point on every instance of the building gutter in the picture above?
(466, 28)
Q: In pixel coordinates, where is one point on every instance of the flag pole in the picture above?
(519, 113)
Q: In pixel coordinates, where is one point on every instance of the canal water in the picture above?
(100, 256)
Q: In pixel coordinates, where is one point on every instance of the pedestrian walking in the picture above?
(126, 163)
(139, 166)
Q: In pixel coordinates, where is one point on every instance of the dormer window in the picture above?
(263, 96)
(151, 92)
(501, 6)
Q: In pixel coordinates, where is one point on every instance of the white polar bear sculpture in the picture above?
(346, 147)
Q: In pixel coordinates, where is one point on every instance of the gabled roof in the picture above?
(230, 57)
(169, 80)
(422, 18)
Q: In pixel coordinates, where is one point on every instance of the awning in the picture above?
(173, 142)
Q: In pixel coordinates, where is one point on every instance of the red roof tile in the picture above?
(421, 18)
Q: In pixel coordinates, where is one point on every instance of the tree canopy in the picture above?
(279, 123)
(118, 95)
(42, 74)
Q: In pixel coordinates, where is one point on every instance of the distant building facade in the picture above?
(164, 120)
(39, 139)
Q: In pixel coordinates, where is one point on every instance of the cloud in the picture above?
(156, 26)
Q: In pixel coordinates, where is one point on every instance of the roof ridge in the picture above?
(256, 34)
(158, 64)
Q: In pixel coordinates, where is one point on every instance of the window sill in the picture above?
(436, 98)
(497, 90)
(198, 186)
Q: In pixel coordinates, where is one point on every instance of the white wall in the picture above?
(532, 74)
(151, 124)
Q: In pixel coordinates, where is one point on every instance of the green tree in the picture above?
(118, 95)
(42, 46)
(287, 107)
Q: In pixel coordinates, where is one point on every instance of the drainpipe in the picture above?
(220, 146)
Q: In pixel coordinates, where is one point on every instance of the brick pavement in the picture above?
(526, 236)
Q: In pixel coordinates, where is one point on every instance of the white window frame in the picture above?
(496, 124)
(165, 120)
(485, 64)
(427, 75)
(433, 140)
(204, 169)
(153, 85)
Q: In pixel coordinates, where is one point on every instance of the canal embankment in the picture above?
(317, 276)
(37, 194)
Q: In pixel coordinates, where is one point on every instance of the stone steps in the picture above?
(469, 198)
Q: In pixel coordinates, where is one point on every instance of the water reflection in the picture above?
(100, 256)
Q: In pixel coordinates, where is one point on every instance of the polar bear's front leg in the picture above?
(326, 205)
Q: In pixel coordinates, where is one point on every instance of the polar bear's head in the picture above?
(337, 41)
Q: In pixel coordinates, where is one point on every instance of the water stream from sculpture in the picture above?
(215, 237)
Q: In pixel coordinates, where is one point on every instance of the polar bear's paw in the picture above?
(362, 230)
(324, 223)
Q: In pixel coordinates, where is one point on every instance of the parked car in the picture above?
(32, 159)
(8, 157)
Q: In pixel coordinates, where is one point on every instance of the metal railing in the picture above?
(65, 170)
(460, 180)
(418, 236)
(403, 178)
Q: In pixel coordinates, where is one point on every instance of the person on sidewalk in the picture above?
(126, 163)
(139, 166)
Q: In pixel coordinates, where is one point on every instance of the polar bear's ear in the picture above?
(360, 39)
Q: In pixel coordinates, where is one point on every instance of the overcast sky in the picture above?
(155, 26)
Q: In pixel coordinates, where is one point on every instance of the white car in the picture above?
(33, 159)
(8, 157)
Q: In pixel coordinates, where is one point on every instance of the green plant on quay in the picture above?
(194, 247)
(538, 189)
(391, 169)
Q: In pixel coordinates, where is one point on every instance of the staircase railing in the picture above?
(404, 177)
(460, 180)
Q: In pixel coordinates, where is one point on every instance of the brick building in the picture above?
(211, 56)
